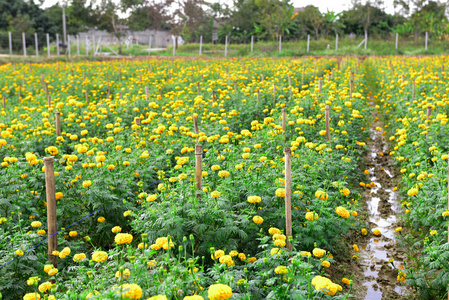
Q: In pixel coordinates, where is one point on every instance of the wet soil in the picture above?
(380, 256)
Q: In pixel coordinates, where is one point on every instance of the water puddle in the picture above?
(383, 205)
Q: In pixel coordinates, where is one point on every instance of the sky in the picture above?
(323, 5)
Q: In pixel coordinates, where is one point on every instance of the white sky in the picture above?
(323, 5)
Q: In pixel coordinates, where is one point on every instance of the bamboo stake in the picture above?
(284, 119)
(51, 209)
(58, 123)
(20, 93)
(198, 88)
(147, 92)
(195, 124)
(87, 96)
(429, 112)
(137, 121)
(4, 101)
(288, 196)
(320, 83)
(351, 87)
(274, 94)
(258, 96)
(328, 135)
(413, 91)
(198, 167)
(213, 97)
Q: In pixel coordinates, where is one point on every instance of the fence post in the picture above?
(201, 43)
(328, 135)
(336, 42)
(51, 209)
(280, 44)
(87, 49)
(308, 42)
(288, 196)
(252, 43)
(37, 46)
(149, 47)
(427, 35)
(24, 45)
(58, 123)
(226, 46)
(48, 45)
(284, 120)
(174, 48)
(198, 167)
(78, 45)
(397, 38)
(57, 44)
(366, 38)
(10, 44)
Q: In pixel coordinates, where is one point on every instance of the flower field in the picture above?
(133, 223)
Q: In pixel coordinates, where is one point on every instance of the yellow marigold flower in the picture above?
(131, 291)
(87, 183)
(233, 253)
(281, 270)
(124, 275)
(36, 224)
(116, 229)
(32, 296)
(346, 281)
(274, 230)
(242, 256)
(401, 276)
(53, 272)
(194, 297)
(345, 192)
(326, 264)
(218, 254)
(33, 280)
(364, 231)
(151, 198)
(151, 263)
(64, 253)
(445, 214)
(252, 259)
(342, 212)
(219, 292)
(274, 251)
(101, 219)
(279, 243)
(318, 252)
(226, 259)
(223, 174)
(99, 256)
(126, 213)
(91, 294)
(48, 268)
(413, 191)
(321, 195)
(140, 246)
(355, 247)
(123, 238)
(325, 285)
(51, 297)
(305, 253)
(399, 229)
(433, 232)
(59, 195)
(73, 233)
(311, 216)
(280, 192)
(254, 199)
(257, 219)
(215, 194)
(41, 232)
(79, 257)
(246, 155)
(215, 168)
(377, 232)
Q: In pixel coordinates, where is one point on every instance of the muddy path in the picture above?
(380, 256)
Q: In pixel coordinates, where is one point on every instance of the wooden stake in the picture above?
(274, 94)
(87, 96)
(320, 83)
(328, 135)
(4, 101)
(288, 196)
(198, 167)
(351, 87)
(195, 124)
(147, 93)
(262, 78)
(137, 121)
(51, 209)
(429, 112)
(213, 96)
(197, 88)
(284, 119)
(58, 123)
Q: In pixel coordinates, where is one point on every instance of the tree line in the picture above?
(265, 20)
